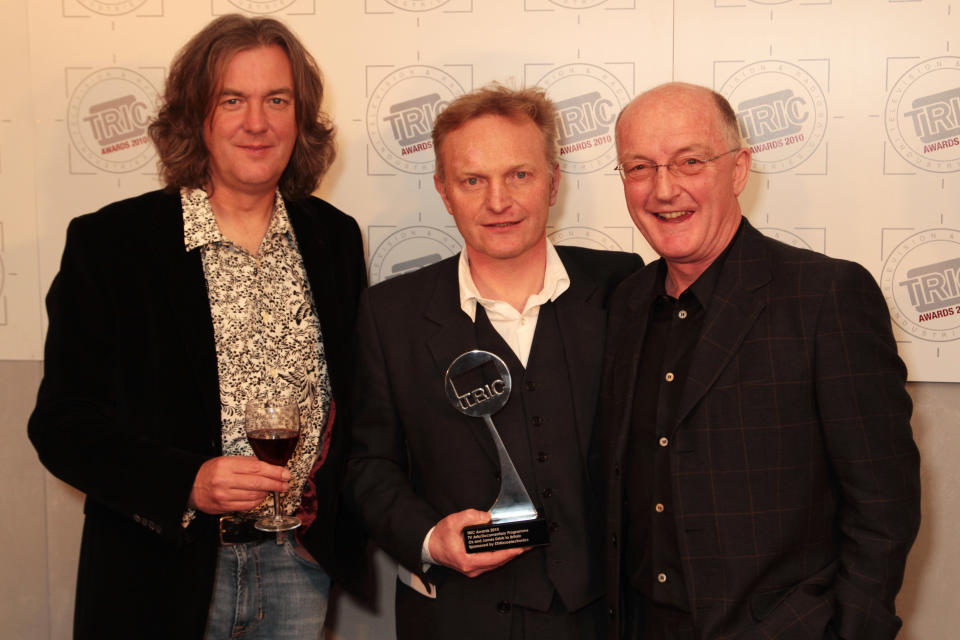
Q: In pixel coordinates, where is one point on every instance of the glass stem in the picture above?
(276, 506)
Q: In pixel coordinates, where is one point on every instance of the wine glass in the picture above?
(273, 428)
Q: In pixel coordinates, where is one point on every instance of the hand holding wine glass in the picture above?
(273, 429)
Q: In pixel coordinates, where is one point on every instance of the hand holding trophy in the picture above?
(478, 385)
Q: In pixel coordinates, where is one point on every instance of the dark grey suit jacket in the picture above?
(794, 473)
(129, 406)
(415, 459)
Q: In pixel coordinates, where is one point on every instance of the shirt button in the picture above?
(659, 508)
(669, 377)
(682, 314)
(661, 578)
(664, 441)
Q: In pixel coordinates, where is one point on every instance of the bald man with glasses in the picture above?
(762, 478)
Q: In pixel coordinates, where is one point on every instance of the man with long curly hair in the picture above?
(174, 309)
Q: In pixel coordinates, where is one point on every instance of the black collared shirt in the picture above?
(652, 559)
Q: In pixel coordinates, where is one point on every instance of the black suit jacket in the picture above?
(129, 405)
(794, 474)
(415, 459)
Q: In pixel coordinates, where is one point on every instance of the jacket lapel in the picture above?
(582, 330)
(181, 281)
(737, 302)
(454, 334)
(627, 330)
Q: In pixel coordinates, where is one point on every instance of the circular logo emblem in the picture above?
(261, 6)
(786, 237)
(401, 113)
(922, 115)
(577, 4)
(782, 113)
(417, 5)
(921, 281)
(408, 249)
(107, 119)
(115, 8)
(584, 237)
(588, 99)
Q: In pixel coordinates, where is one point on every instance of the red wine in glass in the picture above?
(273, 428)
(274, 445)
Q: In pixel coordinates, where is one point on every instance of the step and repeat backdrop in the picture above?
(851, 108)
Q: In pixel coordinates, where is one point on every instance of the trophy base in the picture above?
(506, 535)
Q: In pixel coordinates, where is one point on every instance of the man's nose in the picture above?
(255, 117)
(664, 183)
(498, 196)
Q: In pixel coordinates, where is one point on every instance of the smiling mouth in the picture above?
(502, 225)
(671, 215)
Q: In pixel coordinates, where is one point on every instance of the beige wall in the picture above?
(855, 196)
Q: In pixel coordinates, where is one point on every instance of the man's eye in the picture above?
(690, 162)
(231, 101)
(472, 181)
(640, 167)
(278, 101)
(521, 174)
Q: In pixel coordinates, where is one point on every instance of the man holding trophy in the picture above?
(423, 466)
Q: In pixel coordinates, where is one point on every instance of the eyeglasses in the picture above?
(638, 171)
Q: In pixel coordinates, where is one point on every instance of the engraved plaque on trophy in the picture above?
(478, 385)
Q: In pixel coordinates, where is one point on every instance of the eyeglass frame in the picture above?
(676, 173)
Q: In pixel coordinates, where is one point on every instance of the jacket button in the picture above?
(547, 492)
(554, 527)
(616, 470)
(536, 421)
(612, 612)
(613, 539)
(542, 457)
(530, 385)
(503, 606)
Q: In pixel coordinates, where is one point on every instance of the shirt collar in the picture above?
(200, 225)
(555, 282)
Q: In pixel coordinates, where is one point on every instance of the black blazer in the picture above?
(415, 459)
(794, 473)
(129, 409)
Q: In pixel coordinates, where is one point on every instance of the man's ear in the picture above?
(741, 170)
(555, 185)
(442, 190)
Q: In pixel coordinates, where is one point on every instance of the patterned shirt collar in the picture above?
(200, 225)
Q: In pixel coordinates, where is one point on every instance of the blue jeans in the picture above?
(267, 591)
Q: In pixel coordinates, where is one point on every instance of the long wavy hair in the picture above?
(195, 79)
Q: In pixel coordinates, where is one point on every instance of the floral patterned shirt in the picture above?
(267, 334)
